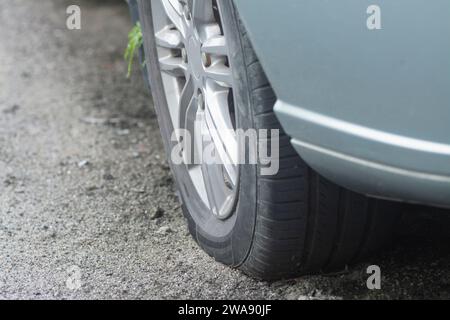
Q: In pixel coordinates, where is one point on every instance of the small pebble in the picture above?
(164, 230)
(83, 163)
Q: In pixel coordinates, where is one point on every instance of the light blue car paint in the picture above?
(369, 109)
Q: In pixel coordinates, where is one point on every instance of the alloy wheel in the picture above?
(197, 76)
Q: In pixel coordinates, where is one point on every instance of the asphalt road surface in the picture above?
(87, 205)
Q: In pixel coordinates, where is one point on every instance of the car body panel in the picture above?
(369, 109)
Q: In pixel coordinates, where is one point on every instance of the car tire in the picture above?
(292, 223)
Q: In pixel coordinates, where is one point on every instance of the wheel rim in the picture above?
(198, 83)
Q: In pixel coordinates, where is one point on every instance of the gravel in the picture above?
(87, 202)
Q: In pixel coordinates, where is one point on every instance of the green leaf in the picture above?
(135, 41)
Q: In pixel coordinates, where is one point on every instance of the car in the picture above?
(355, 96)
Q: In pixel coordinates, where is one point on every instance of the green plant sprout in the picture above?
(135, 41)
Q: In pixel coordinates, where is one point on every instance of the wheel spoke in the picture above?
(217, 107)
(221, 131)
(203, 139)
(215, 45)
(187, 108)
(173, 66)
(169, 38)
(208, 30)
(220, 73)
(218, 201)
(225, 159)
(213, 177)
(199, 183)
(173, 9)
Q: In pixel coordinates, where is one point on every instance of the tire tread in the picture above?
(304, 223)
